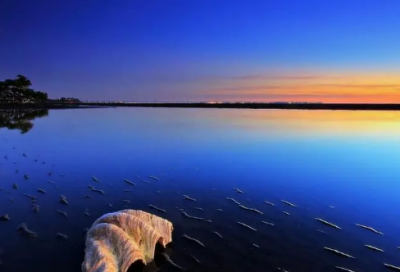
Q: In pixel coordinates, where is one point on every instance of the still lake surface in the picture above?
(341, 166)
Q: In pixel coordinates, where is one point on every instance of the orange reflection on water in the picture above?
(306, 122)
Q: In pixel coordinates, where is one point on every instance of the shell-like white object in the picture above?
(117, 240)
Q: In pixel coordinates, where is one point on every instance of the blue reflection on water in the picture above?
(313, 159)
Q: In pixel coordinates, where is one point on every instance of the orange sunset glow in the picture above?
(336, 88)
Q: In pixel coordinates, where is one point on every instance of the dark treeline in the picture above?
(64, 100)
(18, 92)
(250, 105)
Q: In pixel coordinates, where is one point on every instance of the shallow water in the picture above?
(314, 159)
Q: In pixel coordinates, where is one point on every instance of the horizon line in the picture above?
(232, 102)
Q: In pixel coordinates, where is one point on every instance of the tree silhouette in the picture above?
(18, 91)
(22, 82)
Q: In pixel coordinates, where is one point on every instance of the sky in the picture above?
(205, 50)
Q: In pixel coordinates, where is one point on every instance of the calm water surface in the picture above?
(341, 166)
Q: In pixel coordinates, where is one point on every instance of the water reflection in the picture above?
(20, 119)
(338, 166)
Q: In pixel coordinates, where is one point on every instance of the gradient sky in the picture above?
(220, 50)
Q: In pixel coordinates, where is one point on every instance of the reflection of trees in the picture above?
(20, 119)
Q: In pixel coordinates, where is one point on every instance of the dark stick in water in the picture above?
(4, 217)
(193, 240)
(96, 179)
(168, 260)
(269, 203)
(23, 229)
(250, 209)
(281, 269)
(396, 268)
(338, 252)
(153, 177)
(188, 198)
(63, 213)
(29, 196)
(148, 182)
(130, 182)
(328, 223)
(98, 191)
(369, 228)
(268, 223)
(195, 259)
(344, 269)
(62, 236)
(63, 200)
(288, 203)
(35, 208)
(156, 208)
(246, 226)
(238, 190)
(219, 235)
(373, 248)
(192, 217)
(234, 200)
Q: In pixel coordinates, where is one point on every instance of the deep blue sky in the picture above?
(202, 49)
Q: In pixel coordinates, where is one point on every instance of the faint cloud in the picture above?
(313, 89)
(247, 88)
(364, 86)
(289, 95)
(282, 77)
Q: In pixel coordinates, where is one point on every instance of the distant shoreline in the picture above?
(291, 106)
(44, 106)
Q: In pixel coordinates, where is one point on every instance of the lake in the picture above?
(340, 166)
